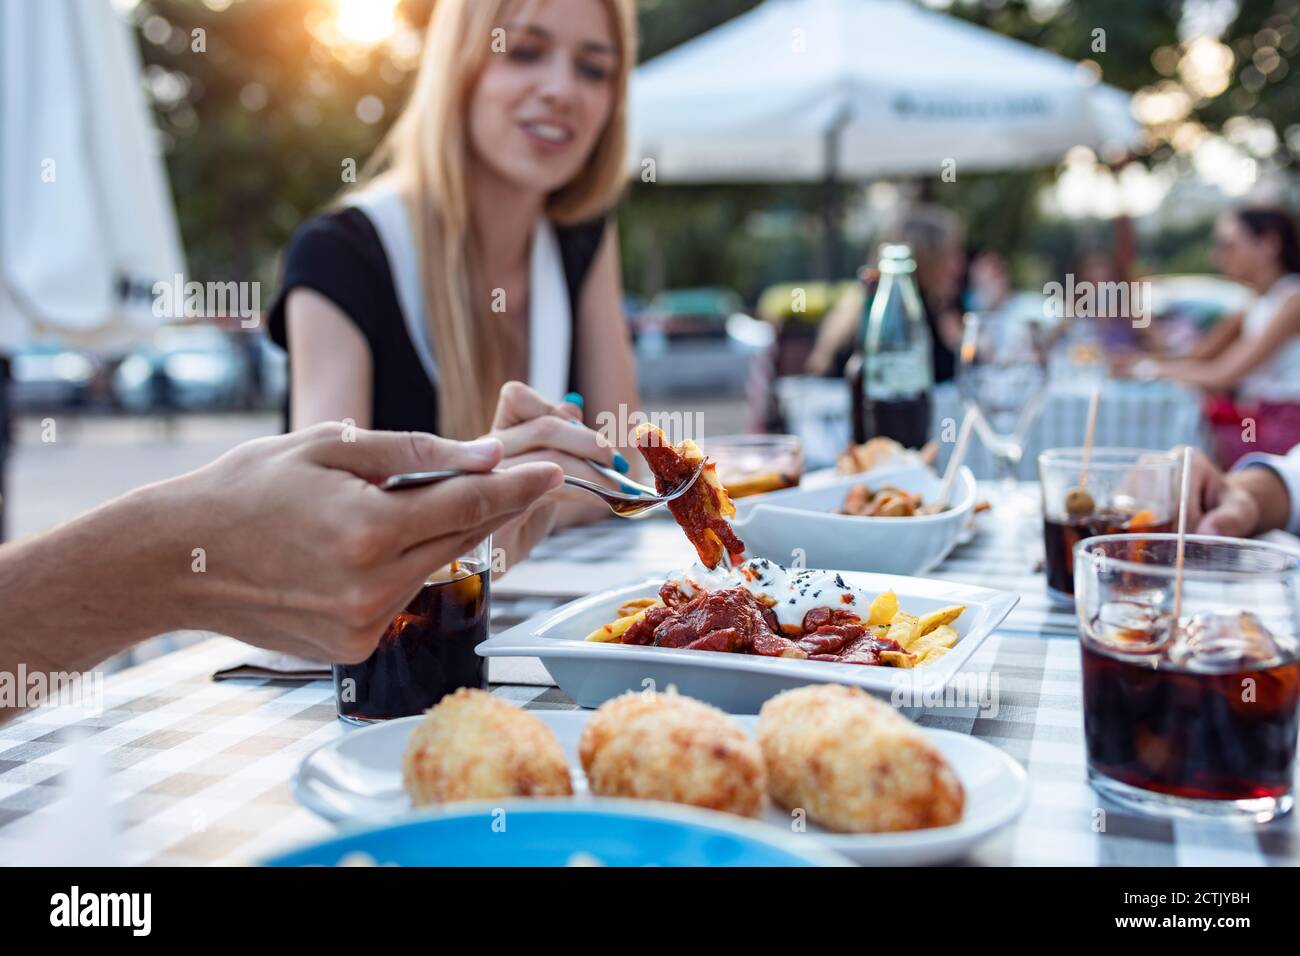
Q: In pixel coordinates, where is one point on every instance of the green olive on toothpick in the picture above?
(1079, 502)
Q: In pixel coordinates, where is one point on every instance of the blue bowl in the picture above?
(542, 833)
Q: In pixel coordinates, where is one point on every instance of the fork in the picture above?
(622, 503)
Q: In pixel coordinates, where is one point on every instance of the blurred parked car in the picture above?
(800, 303)
(689, 313)
(633, 306)
(185, 368)
(49, 375)
(696, 341)
(274, 379)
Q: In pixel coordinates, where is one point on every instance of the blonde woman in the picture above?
(480, 255)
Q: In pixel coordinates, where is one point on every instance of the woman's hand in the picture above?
(532, 429)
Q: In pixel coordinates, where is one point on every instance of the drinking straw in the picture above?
(1088, 435)
(1182, 534)
(958, 457)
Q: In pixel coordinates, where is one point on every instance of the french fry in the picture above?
(613, 632)
(945, 615)
(628, 608)
(719, 502)
(883, 608)
(942, 636)
(904, 629)
(899, 659)
(934, 654)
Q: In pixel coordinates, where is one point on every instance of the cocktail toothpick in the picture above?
(1089, 435)
(958, 457)
(1077, 500)
(1183, 495)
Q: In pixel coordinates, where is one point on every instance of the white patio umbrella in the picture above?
(813, 90)
(87, 224)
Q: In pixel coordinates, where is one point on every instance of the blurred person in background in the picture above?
(936, 238)
(1250, 361)
(480, 253)
(1115, 333)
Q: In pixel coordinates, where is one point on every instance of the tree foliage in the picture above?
(260, 124)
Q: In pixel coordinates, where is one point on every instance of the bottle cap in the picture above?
(896, 257)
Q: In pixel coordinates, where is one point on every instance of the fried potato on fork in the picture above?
(702, 512)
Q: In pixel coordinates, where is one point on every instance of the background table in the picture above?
(200, 771)
(1129, 415)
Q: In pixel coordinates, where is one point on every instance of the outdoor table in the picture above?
(201, 771)
(1154, 415)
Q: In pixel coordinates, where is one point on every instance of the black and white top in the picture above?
(363, 259)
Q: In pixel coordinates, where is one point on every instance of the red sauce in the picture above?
(733, 621)
(699, 510)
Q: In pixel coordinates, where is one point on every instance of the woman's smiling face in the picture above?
(540, 105)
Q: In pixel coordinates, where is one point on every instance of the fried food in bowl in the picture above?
(653, 746)
(853, 763)
(473, 746)
(887, 501)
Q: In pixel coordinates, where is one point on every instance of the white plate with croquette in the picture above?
(825, 762)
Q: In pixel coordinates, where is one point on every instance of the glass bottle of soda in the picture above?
(897, 373)
(855, 368)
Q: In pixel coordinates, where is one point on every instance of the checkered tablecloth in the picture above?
(199, 772)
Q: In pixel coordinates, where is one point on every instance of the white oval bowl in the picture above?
(798, 526)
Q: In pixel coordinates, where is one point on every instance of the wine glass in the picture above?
(1002, 373)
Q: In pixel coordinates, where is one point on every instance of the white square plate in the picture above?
(591, 673)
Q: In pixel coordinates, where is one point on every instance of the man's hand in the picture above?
(1204, 488)
(1237, 505)
(284, 542)
(305, 554)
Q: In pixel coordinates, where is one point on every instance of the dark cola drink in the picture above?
(905, 420)
(897, 370)
(1209, 713)
(1060, 535)
(426, 652)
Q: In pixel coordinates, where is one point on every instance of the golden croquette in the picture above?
(651, 746)
(473, 746)
(853, 763)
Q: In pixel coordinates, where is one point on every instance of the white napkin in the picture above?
(266, 665)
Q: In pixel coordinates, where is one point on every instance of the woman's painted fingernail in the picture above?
(573, 398)
(620, 464)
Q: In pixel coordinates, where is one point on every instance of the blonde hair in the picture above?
(426, 155)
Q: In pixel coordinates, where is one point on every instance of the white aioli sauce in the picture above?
(796, 591)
